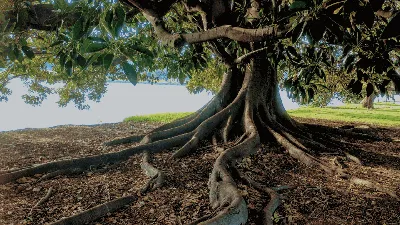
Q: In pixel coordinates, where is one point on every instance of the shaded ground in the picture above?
(316, 198)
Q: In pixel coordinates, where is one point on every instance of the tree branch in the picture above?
(227, 31)
(242, 58)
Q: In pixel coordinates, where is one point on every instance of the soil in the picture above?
(315, 197)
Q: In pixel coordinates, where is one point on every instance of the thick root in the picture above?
(208, 126)
(59, 173)
(223, 190)
(157, 177)
(97, 211)
(273, 204)
(126, 140)
(87, 162)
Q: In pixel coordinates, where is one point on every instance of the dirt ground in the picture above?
(315, 197)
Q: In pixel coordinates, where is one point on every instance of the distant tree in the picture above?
(245, 44)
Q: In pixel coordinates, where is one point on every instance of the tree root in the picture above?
(223, 190)
(157, 177)
(44, 199)
(59, 173)
(273, 204)
(87, 162)
(207, 127)
(372, 185)
(97, 211)
(347, 133)
(126, 140)
(186, 124)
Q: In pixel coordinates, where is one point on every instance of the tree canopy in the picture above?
(84, 44)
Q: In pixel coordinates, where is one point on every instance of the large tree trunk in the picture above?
(246, 113)
(368, 101)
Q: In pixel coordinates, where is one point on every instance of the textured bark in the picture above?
(368, 101)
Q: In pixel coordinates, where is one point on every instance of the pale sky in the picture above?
(122, 100)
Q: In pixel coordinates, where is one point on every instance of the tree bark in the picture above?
(368, 101)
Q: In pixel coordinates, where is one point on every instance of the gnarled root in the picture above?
(223, 190)
(186, 124)
(273, 204)
(157, 177)
(97, 211)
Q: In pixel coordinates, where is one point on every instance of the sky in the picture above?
(121, 100)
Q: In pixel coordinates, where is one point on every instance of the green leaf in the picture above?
(119, 22)
(392, 29)
(130, 72)
(97, 39)
(10, 53)
(301, 4)
(81, 61)
(107, 60)
(28, 52)
(60, 4)
(108, 20)
(68, 67)
(89, 46)
(63, 59)
(18, 53)
(77, 29)
(56, 43)
(298, 31)
(317, 30)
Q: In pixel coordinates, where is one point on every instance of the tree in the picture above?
(250, 41)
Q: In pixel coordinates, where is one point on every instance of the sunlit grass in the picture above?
(158, 117)
(384, 114)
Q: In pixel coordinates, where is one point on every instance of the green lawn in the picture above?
(384, 114)
(158, 117)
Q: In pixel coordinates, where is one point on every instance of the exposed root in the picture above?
(336, 168)
(157, 177)
(353, 158)
(345, 132)
(372, 185)
(223, 190)
(87, 162)
(126, 140)
(304, 157)
(186, 124)
(59, 173)
(207, 127)
(43, 200)
(227, 129)
(97, 211)
(273, 204)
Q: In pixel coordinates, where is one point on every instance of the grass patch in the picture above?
(384, 114)
(158, 117)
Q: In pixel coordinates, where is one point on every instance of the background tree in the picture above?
(87, 42)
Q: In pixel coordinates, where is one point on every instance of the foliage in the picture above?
(331, 47)
(101, 44)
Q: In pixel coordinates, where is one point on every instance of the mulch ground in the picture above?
(316, 198)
